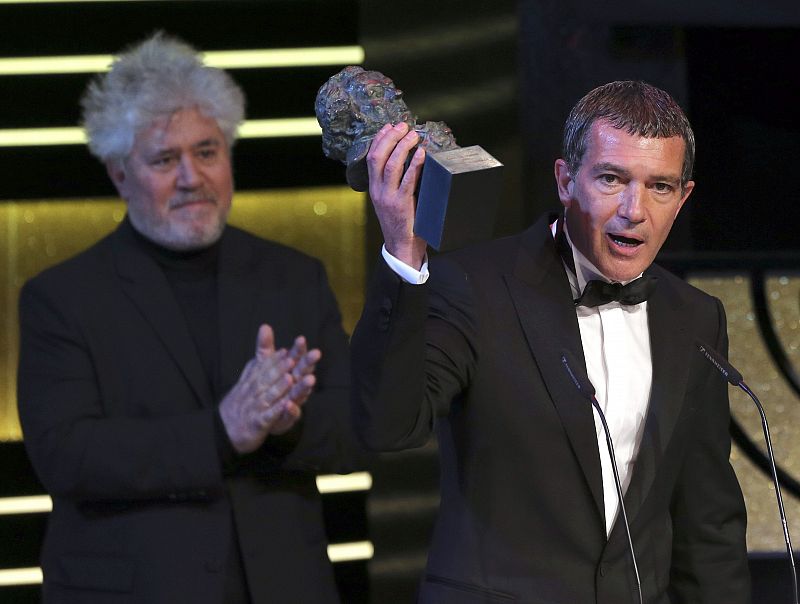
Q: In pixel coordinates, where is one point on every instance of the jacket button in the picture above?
(602, 570)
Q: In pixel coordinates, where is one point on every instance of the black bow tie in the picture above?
(598, 292)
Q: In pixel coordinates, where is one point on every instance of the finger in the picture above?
(270, 368)
(409, 182)
(381, 134)
(287, 419)
(265, 341)
(275, 390)
(260, 373)
(299, 348)
(380, 150)
(291, 412)
(300, 392)
(270, 415)
(307, 364)
(395, 166)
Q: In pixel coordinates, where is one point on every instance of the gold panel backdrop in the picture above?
(326, 222)
(749, 355)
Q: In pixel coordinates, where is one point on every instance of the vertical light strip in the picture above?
(12, 274)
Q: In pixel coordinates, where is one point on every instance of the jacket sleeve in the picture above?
(709, 559)
(413, 353)
(79, 449)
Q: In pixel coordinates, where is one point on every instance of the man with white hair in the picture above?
(181, 457)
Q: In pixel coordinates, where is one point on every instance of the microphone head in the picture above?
(580, 380)
(723, 366)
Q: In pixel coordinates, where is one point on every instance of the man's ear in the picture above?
(687, 190)
(115, 168)
(564, 182)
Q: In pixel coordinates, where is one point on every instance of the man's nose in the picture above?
(631, 206)
(188, 174)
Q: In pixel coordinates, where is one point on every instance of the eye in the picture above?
(162, 161)
(207, 153)
(609, 179)
(663, 187)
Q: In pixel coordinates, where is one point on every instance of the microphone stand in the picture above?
(587, 390)
(787, 539)
(735, 379)
(618, 484)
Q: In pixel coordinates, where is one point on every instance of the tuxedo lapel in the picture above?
(145, 284)
(543, 301)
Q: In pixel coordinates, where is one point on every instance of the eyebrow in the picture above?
(609, 167)
(207, 142)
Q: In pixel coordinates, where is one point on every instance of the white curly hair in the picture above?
(153, 79)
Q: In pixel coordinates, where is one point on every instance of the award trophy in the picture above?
(458, 193)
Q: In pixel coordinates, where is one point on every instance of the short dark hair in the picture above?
(633, 106)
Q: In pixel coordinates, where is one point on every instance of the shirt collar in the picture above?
(585, 270)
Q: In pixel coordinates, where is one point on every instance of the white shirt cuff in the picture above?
(406, 272)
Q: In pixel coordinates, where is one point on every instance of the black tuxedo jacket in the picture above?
(476, 355)
(118, 419)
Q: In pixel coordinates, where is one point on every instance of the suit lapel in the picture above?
(542, 298)
(147, 287)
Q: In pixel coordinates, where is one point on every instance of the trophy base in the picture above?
(458, 197)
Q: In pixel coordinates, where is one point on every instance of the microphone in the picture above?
(735, 379)
(585, 388)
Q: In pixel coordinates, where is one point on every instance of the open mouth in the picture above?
(622, 241)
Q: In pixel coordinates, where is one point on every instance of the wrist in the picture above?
(410, 252)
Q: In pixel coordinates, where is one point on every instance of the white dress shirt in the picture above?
(616, 345)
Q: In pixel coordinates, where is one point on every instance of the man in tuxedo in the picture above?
(529, 509)
(181, 382)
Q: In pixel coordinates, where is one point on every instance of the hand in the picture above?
(273, 386)
(302, 374)
(392, 191)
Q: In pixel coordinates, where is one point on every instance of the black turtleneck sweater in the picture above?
(192, 276)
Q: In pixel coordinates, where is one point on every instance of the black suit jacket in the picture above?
(476, 355)
(118, 419)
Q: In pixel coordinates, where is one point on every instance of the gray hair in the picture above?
(634, 106)
(153, 79)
